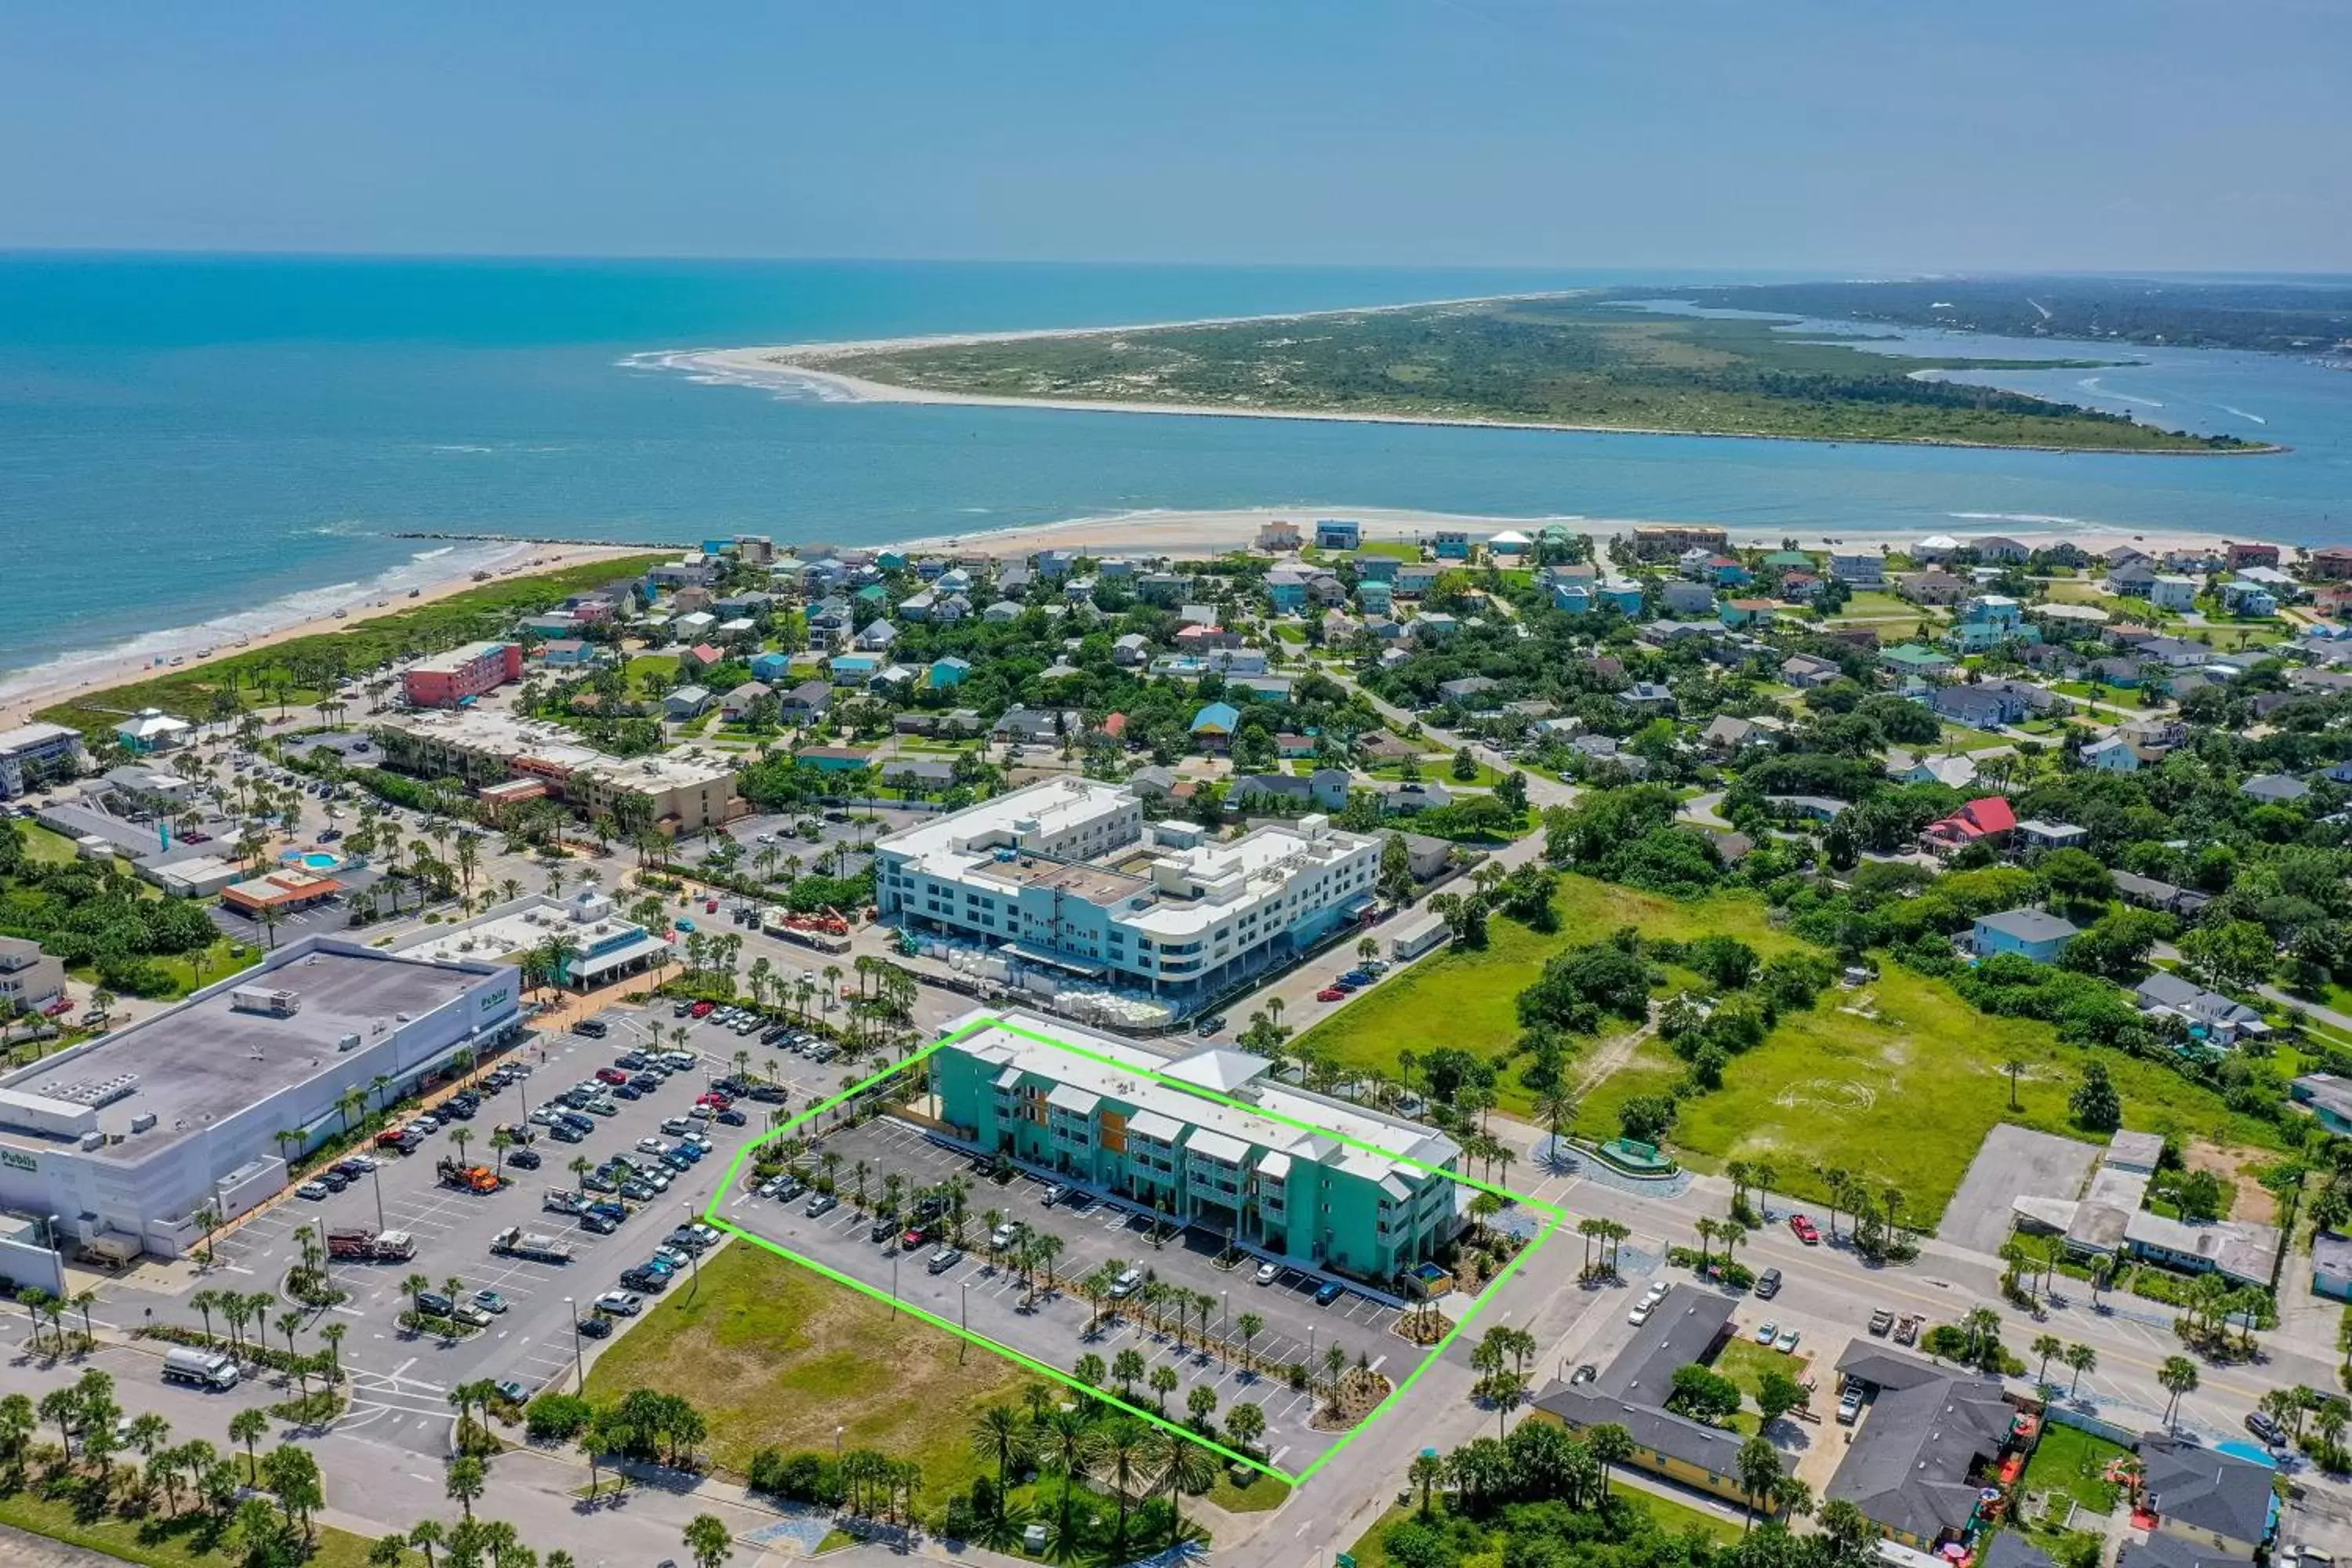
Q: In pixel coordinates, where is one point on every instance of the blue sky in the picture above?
(1835, 135)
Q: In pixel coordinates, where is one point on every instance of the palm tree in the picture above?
(1181, 1465)
(1123, 1448)
(247, 1427)
(1425, 1471)
(465, 1481)
(1759, 1468)
(2046, 1346)
(1609, 1444)
(1068, 1443)
(2176, 1377)
(1249, 1325)
(2080, 1359)
(1000, 1436)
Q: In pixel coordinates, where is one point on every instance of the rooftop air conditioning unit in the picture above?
(349, 1042)
(143, 1122)
(268, 1001)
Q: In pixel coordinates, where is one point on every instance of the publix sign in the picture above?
(18, 1160)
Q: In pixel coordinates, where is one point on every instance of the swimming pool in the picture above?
(312, 860)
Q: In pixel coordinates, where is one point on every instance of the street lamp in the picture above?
(965, 1345)
(894, 1281)
(375, 1179)
(579, 1369)
(838, 1431)
(693, 1254)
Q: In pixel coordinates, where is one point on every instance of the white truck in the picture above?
(199, 1368)
(520, 1243)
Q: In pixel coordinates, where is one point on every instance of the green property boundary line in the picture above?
(1551, 1214)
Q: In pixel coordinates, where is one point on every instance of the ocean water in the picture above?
(189, 440)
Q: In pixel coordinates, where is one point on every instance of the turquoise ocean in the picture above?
(228, 441)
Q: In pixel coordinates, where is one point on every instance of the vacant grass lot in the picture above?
(776, 1356)
(2073, 1464)
(1470, 998)
(1898, 1082)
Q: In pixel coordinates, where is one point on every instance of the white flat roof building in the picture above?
(127, 1137)
(1067, 874)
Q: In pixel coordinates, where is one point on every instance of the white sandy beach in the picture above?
(1213, 532)
(24, 691)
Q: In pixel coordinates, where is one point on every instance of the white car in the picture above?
(1267, 1273)
(621, 1303)
(1641, 1312)
(1128, 1283)
(1787, 1341)
(651, 1145)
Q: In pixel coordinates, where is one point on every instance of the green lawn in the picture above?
(775, 1355)
(45, 843)
(2074, 1463)
(1673, 1517)
(1745, 1363)
(1960, 737)
(1470, 998)
(160, 1542)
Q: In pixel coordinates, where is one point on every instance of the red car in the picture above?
(702, 1009)
(611, 1075)
(716, 1100)
(916, 1235)
(1330, 993)
(1807, 1231)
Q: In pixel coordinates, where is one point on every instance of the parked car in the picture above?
(823, 1203)
(1267, 1273)
(596, 1326)
(317, 1192)
(1767, 1333)
(1806, 1231)
(1331, 993)
(1768, 1285)
(1641, 1312)
(1849, 1409)
(1332, 1290)
(2263, 1427)
(621, 1303)
(490, 1302)
(945, 1259)
(595, 1029)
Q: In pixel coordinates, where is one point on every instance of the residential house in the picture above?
(570, 653)
(832, 759)
(1001, 612)
(1755, 613)
(1285, 590)
(1862, 569)
(856, 669)
(2168, 593)
(1681, 598)
(1820, 808)
(1279, 537)
(1647, 697)
(2036, 934)
(737, 704)
(2208, 1012)
(1955, 770)
(2133, 579)
(2331, 1254)
(1916, 661)
(2328, 1099)
(1726, 735)
(1468, 691)
(1929, 1439)
(1997, 547)
(878, 636)
(2273, 789)
(1685, 1327)
(700, 657)
(1337, 534)
(1936, 549)
(1414, 578)
(2116, 555)
(1977, 707)
(948, 671)
(2249, 601)
(2036, 835)
(2240, 556)
(1724, 571)
(1934, 588)
(809, 700)
(1162, 588)
(1987, 820)
(1212, 727)
(1450, 544)
(1374, 596)
(2149, 893)
(1376, 568)
(1806, 671)
(2205, 1497)
(2329, 563)
(1035, 726)
(1325, 789)
(30, 979)
(686, 702)
(1434, 625)
(771, 668)
(1799, 587)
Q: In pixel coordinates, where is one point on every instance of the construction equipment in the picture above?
(463, 1177)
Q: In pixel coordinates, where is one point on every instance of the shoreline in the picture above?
(78, 674)
(805, 366)
(1176, 532)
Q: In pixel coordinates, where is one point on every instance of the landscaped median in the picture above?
(822, 1115)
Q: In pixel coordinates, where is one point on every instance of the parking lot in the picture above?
(400, 1379)
(1052, 1326)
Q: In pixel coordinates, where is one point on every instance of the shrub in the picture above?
(556, 1417)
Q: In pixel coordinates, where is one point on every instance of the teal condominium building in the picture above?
(1209, 1138)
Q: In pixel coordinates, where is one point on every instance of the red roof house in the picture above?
(1986, 821)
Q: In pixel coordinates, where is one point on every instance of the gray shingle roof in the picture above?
(1910, 1467)
(2205, 1488)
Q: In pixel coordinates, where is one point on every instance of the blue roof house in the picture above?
(2036, 934)
(1214, 724)
(950, 671)
(771, 668)
(1576, 598)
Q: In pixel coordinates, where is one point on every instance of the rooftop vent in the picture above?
(102, 1091)
(143, 1122)
(268, 1001)
(349, 1042)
